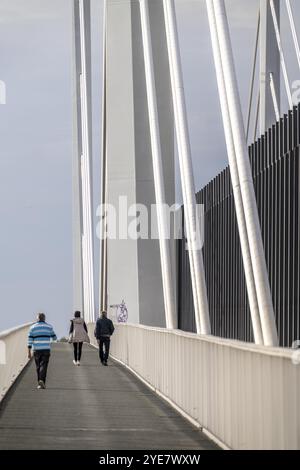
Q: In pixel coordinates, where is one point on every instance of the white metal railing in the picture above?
(13, 356)
(246, 396)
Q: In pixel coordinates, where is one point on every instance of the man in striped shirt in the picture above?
(40, 336)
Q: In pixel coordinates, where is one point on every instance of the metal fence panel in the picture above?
(274, 160)
(247, 396)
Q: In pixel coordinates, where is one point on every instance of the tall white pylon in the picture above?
(186, 172)
(164, 242)
(254, 310)
(260, 273)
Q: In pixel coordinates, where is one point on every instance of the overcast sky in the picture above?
(36, 137)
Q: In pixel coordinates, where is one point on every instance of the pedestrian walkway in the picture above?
(91, 407)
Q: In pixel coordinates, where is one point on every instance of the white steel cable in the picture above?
(103, 239)
(84, 247)
(85, 209)
(274, 97)
(261, 279)
(87, 164)
(85, 256)
(257, 116)
(281, 53)
(186, 173)
(164, 242)
(253, 76)
(251, 290)
(86, 264)
(88, 251)
(293, 28)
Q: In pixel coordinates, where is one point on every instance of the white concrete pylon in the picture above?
(254, 310)
(164, 242)
(186, 173)
(246, 181)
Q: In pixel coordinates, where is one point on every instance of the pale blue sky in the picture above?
(36, 138)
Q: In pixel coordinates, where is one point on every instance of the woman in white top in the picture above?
(78, 336)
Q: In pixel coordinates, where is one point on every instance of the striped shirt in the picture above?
(40, 336)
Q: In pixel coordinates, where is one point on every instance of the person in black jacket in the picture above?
(103, 331)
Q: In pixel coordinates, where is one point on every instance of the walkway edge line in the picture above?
(6, 390)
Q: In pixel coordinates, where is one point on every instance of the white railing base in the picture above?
(173, 405)
(244, 395)
(15, 341)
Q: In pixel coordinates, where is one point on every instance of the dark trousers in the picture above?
(104, 345)
(77, 351)
(41, 361)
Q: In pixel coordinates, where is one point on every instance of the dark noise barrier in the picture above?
(274, 160)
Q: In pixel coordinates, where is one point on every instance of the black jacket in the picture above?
(104, 327)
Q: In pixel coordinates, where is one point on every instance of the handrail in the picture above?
(235, 392)
(10, 331)
(231, 343)
(14, 356)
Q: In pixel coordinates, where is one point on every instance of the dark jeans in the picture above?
(77, 351)
(41, 361)
(104, 343)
